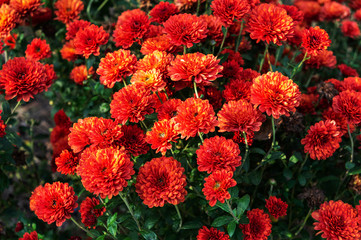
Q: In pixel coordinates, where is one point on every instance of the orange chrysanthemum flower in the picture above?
(68, 10)
(156, 60)
(133, 140)
(195, 66)
(276, 207)
(89, 213)
(259, 226)
(67, 162)
(158, 43)
(115, 66)
(8, 20)
(168, 109)
(237, 89)
(88, 40)
(23, 78)
(80, 73)
(38, 49)
(53, 202)
(24, 8)
(68, 51)
(195, 116)
(350, 29)
(132, 103)
(30, 236)
(322, 140)
(161, 181)
(275, 94)
(162, 11)
(212, 233)
(333, 10)
(269, 23)
(337, 220)
(348, 103)
(230, 10)
(73, 28)
(314, 40)
(152, 79)
(185, 29)
(239, 116)
(105, 172)
(162, 135)
(216, 186)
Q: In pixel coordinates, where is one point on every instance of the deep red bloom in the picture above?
(357, 14)
(248, 74)
(239, 116)
(213, 95)
(38, 49)
(89, 213)
(230, 10)
(73, 28)
(341, 120)
(337, 220)
(216, 186)
(161, 181)
(259, 226)
(67, 162)
(218, 153)
(212, 233)
(275, 94)
(23, 78)
(68, 10)
(133, 140)
(2, 127)
(132, 103)
(311, 9)
(231, 69)
(314, 40)
(195, 116)
(350, 29)
(276, 207)
(30, 236)
(269, 23)
(88, 40)
(53, 202)
(347, 70)
(352, 84)
(322, 140)
(239, 138)
(19, 226)
(293, 12)
(116, 66)
(348, 103)
(162, 11)
(168, 109)
(105, 172)
(333, 10)
(185, 29)
(214, 26)
(324, 58)
(237, 89)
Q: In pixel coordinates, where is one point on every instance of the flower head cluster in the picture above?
(133, 140)
(68, 10)
(8, 19)
(259, 226)
(230, 10)
(89, 213)
(348, 103)
(276, 207)
(30, 236)
(38, 49)
(314, 40)
(211, 233)
(2, 127)
(80, 73)
(67, 162)
(162, 11)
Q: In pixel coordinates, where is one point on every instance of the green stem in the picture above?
(239, 38)
(351, 140)
(304, 222)
(295, 70)
(79, 226)
(309, 79)
(198, 6)
(145, 126)
(124, 82)
(13, 111)
(201, 137)
(180, 218)
(101, 6)
(224, 39)
(245, 154)
(269, 61)
(231, 211)
(166, 94)
(159, 97)
(125, 200)
(184, 50)
(303, 164)
(195, 89)
(264, 57)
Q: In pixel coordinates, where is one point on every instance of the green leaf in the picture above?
(112, 219)
(302, 180)
(151, 221)
(148, 235)
(234, 192)
(244, 219)
(242, 205)
(231, 228)
(113, 229)
(6, 110)
(13, 138)
(256, 177)
(223, 206)
(287, 173)
(349, 165)
(192, 225)
(355, 171)
(94, 233)
(222, 220)
(258, 150)
(101, 237)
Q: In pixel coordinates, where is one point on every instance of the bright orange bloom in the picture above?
(322, 140)
(195, 116)
(269, 23)
(89, 213)
(195, 66)
(161, 181)
(162, 11)
(132, 103)
(216, 186)
(116, 66)
(38, 49)
(68, 10)
(276, 207)
(73, 28)
(314, 40)
(275, 94)
(133, 140)
(67, 162)
(212, 233)
(350, 29)
(105, 172)
(30, 236)
(218, 153)
(80, 73)
(230, 10)
(168, 109)
(8, 20)
(158, 43)
(185, 29)
(348, 103)
(53, 202)
(155, 60)
(88, 40)
(259, 226)
(333, 10)
(24, 8)
(152, 79)
(68, 51)
(337, 220)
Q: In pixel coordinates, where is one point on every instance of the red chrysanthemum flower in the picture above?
(333, 10)
(214, 26)
(259, 226)
(357, 14)
(152, 79)
(310, 9)
(161, 181)
(19, 226)
(38, 49)
(230, 10)
(105, 172)
(293, 12)
(308, 103)
(237, 89)
(348, 103)
(168, 109)
(95, 132)
(156, 60)
(53, 202)
(162, 135)
(347, 71)
(340, 119)
(195, 66)
(239, 116)
(115, 66)
(276, 207)
(350, 29)
(324, 58)
(132, 25)
(218, 153)
(132, 103)
(231, 68)
(213, 95)
(80, 73)
(337, 220)
(248, 74)
(30, 236)
(158, 43)
(185, 29)
(24, 8)
(322, 140)
(68, 10)
(133, 140)
(352, 84)
(275, 94)
(269, 23)
(212, 233)
(2, 127)
(23, 78)
(73, 28)
(216, 186)
(89, 213)
(314, 40)
(67, 162)
(68, 51)
(88, 40)
(239, 138)
(195, 116)
(162, 11)
(8, 20)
